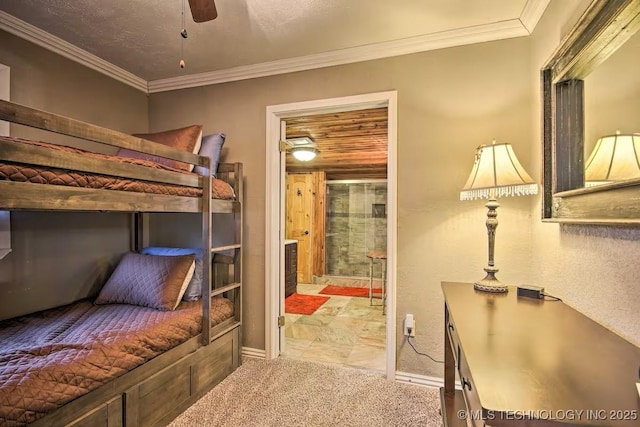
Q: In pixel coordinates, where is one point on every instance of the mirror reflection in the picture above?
(612, 117)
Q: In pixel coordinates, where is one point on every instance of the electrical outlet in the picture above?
(409, 326)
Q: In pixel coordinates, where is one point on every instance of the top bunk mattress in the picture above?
(20, 172)
(49, 358)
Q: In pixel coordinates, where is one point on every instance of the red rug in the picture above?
(348, 291)
(303, 304)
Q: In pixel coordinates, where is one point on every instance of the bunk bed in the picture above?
(151, 364)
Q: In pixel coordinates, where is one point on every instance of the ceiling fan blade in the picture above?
(203, 10)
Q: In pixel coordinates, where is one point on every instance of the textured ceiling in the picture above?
(143, 36)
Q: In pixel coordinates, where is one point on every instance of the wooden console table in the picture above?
(530, 362)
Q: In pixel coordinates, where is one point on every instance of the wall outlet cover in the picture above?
(409, 325)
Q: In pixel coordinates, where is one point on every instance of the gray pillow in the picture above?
(149, 281)
(211, 147)
(194, 289)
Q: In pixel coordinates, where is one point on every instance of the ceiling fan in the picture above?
(203, 10)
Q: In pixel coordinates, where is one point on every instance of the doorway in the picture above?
(275, 206)
(330, 317)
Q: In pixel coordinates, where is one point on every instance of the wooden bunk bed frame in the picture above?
(157, 391)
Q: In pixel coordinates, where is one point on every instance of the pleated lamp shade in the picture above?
(497, 172)
(614, 158)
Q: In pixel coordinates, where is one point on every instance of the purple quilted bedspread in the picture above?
(50, 358)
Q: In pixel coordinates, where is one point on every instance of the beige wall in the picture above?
(61, 257)
(612, 95)
(449, 102)
(45, 80)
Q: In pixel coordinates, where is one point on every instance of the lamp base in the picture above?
(490, 283)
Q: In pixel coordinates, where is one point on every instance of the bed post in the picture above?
(137, 232)
(237, 262)
(206, 251)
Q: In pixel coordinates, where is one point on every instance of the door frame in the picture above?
(274, 219)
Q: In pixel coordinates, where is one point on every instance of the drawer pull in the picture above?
(466, 384)
(451, 327)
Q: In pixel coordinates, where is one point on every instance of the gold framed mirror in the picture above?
(604, 27)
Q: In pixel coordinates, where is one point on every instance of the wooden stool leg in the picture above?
(370, 281)
(384, 286)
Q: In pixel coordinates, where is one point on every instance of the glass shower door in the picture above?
(356, 223)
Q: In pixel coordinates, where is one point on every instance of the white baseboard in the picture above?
(422, 380)
(254, 353)
(401, 377)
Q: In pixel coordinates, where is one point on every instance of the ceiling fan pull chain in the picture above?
(184, 35)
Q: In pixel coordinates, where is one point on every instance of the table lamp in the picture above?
(496, 173)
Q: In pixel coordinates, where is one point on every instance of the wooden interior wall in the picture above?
(299, 219)
(351, 144)
(319, 206)
(305, 221)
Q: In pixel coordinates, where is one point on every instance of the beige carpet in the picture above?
(286, 392)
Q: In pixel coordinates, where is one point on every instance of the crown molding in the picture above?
(17, 27)
(519, 27)
(532, 13)
(459, 37)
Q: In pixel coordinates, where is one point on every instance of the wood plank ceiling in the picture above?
(351, 144)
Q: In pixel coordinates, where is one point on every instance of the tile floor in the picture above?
(345, 330)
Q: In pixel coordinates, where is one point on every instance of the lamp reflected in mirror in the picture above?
(590, 87)
(614, 158)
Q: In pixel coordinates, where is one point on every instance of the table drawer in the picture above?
(469, 389)
(453, 339)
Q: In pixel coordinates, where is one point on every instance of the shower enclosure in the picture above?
(356, 223)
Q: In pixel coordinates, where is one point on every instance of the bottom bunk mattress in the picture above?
(49, 358)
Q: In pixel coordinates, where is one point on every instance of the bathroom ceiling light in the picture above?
(303, 148)
(304, 154)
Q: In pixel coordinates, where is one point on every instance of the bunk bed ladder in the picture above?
(226, 267)
(206, 244)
